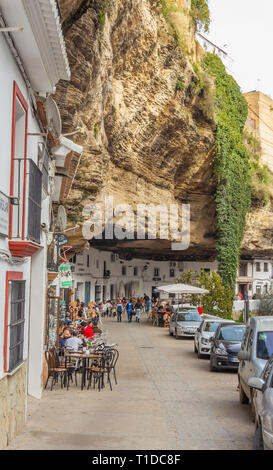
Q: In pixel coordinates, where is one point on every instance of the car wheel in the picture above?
(199, 355)
(170, 333)
(211, 367)
(258, 438)
(242, 396)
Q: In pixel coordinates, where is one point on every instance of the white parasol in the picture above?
(182, 289)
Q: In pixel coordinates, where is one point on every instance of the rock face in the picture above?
(146, 139)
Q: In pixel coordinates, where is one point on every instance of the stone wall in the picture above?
(12, 405)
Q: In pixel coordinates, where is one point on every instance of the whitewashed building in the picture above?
(101, 275)
(33, 59)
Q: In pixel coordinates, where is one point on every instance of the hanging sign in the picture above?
(65, 276)
(60, 239)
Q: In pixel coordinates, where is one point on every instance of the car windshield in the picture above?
(211, 326)
(232, 333)
(188, 316)
(265, 344)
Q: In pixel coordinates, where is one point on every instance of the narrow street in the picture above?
(165, 399)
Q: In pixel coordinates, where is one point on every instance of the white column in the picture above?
(38, 283)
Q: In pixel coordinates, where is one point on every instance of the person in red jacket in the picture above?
(88, 330)
(200, 309)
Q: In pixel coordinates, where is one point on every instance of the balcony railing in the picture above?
(26, 217)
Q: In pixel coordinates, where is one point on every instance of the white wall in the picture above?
(9, 73)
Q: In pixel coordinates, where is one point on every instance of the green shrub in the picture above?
(231, 169)
(179, 86)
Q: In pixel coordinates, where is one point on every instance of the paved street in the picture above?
(165, 399)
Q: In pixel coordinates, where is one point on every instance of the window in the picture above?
(156, 272)
(123, 270)
(265, 344)
(258, 267)
(87, 261)
(43, 159)
(258, 289)
(171, 272)
(34, 202)
(16, 321)
(97, 264)
(135, 271)
(250, 341)
(266, 267)
(74, 259)
(243, 270)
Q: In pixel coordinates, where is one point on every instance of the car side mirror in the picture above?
(257, 383)
(244, 356)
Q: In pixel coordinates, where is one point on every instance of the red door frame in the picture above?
(10, 276)
(18, 95)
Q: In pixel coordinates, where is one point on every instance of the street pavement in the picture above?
(166, 398)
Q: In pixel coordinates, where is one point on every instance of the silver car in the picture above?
(257, 348)
(184, 323)
(203, 335)
(263, 406)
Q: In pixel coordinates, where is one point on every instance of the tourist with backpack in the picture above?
(119, 311)
(130, 308)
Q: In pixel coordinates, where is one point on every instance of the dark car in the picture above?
(225, 345)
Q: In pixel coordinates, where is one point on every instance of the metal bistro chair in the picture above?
(112, 365)
(103, 366)
(54, 371)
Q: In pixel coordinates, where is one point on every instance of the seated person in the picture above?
(88, 331)
(73, 342)
(95, 328)
(63, 338)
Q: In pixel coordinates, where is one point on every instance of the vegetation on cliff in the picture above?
(231, 169)
(200, 14)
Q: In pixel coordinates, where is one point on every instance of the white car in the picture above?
(184, 323)
(203, 335)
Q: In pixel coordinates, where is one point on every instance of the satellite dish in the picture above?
(61, 220)
(54, 122)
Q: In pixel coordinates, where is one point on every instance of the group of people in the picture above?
(79, 326)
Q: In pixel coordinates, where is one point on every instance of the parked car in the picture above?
(225, 345)
(262, 388)
(204, 333)
(257, 347)
(185, 322)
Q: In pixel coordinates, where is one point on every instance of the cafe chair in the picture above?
(54, 371)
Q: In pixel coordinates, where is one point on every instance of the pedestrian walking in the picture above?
(138, 307)
(119, 311)
(129, 308)
(147, 302)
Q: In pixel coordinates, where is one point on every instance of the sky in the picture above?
(245, 28)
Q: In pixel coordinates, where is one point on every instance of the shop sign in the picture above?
(65, 276)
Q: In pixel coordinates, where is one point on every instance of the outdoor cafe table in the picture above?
(84, 357)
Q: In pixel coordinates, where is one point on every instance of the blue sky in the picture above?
(246, 26)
